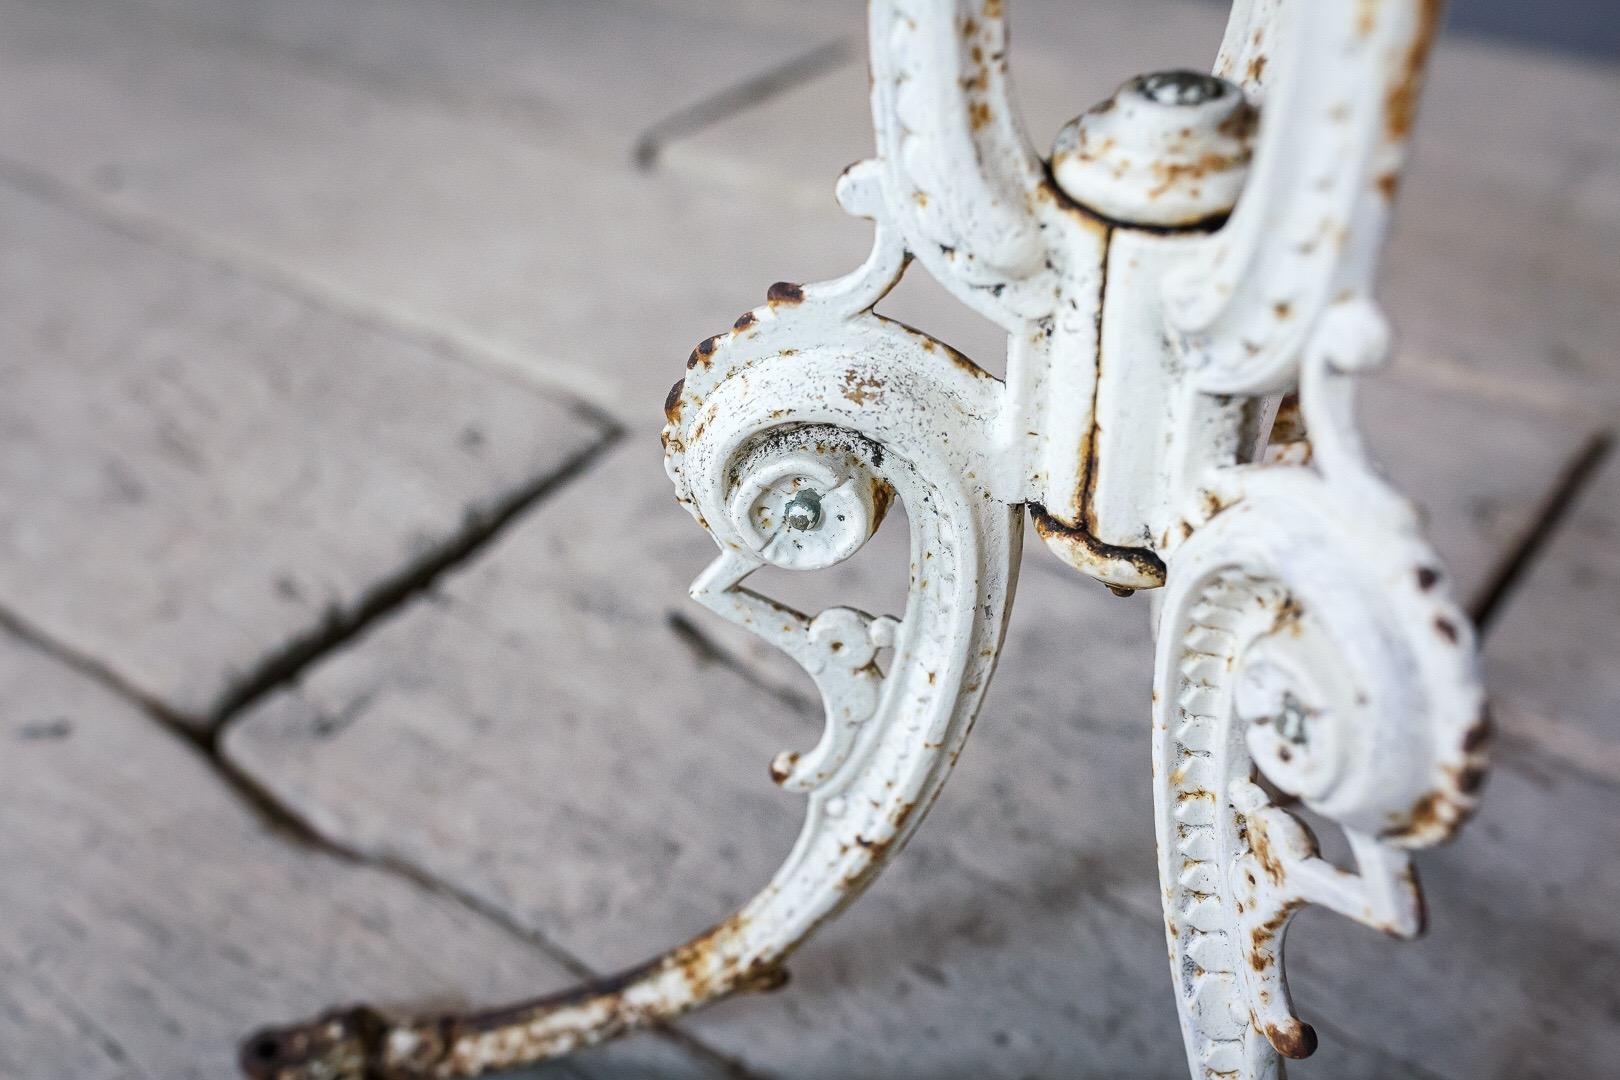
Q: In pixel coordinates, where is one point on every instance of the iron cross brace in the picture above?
(1186, 289)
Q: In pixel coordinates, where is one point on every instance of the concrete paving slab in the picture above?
(574, 706)
(415, 208)
(1513, 978)
(200, 469)
(1552, 654)
(152, 918)
(584, 78)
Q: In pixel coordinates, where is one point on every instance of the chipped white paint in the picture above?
(1188, 262)
(1166, 150)
(1182, 264)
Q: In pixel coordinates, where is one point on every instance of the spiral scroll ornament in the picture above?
(1309, 655)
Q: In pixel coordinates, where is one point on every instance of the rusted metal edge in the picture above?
(1091, 215)
(1115, 566)
(363, 1043)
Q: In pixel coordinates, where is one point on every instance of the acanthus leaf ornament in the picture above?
(1198, 247)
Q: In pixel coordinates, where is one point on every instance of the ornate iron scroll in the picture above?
(1186, 290)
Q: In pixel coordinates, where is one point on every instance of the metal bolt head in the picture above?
(1181, 87)
(1292, 721)
(803, 512)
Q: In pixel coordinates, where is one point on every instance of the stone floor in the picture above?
(344, 650)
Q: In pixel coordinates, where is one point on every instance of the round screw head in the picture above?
(1293, 721)
(1181, 87)
(803, 512)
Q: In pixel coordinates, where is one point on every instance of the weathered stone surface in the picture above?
(1551, 655)
(594, 75)
(547, 669)
(539, 734)
(199, 468)
(1502, 256)
(572, 270)
(1513, 977)
(151, 919)
(1480, 470)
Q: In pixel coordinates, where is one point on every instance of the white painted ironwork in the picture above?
(1186, 292)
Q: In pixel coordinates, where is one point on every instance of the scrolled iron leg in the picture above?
(1309, 652)
(789, 438)
(1196, 248)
